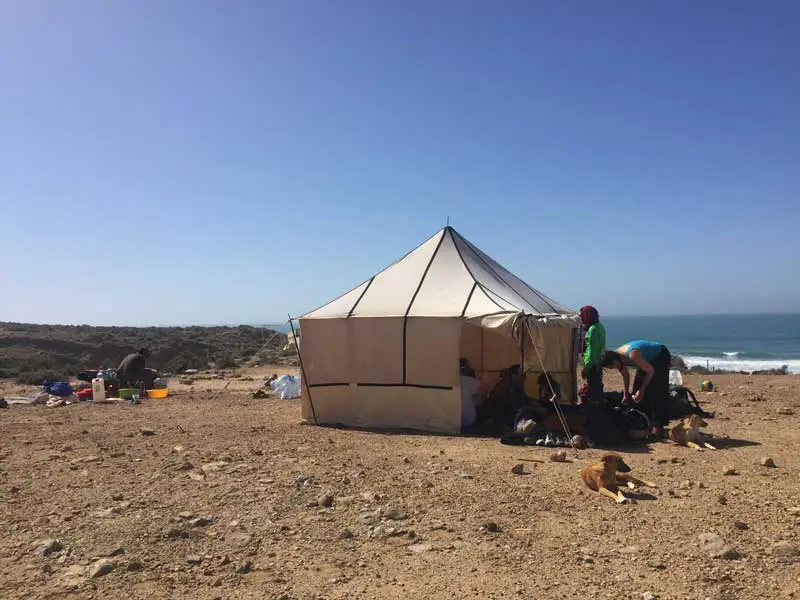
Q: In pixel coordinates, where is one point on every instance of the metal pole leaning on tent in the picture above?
(302, 370)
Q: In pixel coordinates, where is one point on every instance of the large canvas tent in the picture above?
(385, 354)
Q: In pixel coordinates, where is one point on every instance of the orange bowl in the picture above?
(158, 393)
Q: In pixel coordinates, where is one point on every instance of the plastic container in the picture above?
(128, 393)
(158, 393)
(98, 389)
(286, 387)
(675, 377)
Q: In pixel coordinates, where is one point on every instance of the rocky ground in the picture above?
(213, 494)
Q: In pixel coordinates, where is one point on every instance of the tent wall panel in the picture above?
(376, 346)
(432, 351)
(322, 343)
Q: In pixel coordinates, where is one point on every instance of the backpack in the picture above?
(57, 388)
(682, 403)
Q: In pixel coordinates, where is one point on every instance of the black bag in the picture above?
(682, 403)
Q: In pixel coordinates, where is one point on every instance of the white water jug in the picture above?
(98, 389)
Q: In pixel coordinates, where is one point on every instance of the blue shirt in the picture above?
(649, 350)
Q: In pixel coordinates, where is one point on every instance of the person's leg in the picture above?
(594, 384)
(660, 385)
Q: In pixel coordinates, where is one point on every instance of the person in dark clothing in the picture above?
(651, 382)
(133, 370)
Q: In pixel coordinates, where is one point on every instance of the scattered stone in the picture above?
(784, 549)
(518, 469)
(245, 567)
(492, 527)
(194, 559)
(185, 515)
(134, 565)
(178, 448)
(346, 535)
(420, 548)
(107, 552)
(729, 470)
(785, 411)
(117, 497)
(101, 567)
(406, 460)
(370, 496)
(73, 576)
(630, 550)
(147, 431)
(793, 510)
(326, 500)
(740, 526)
(466, 476)
(658, 566)
(201, 521)
(559, 457)
(393, 513)
(50, 546)
(686, 484)
(649, 596)
(213, 466)
(722, 499)
(768, 462)
(716, 547)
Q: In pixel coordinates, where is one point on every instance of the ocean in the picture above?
(730, 342)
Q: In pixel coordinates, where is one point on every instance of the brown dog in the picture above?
(687, 433)
(607, 474)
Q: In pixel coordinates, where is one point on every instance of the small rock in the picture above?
(406, 460)
(326, 500)
(518, 469)
(492, 527)
(658, 566)
(393, 513)
(729, 470)
(722, 499)
(346, 535)
(768, 462)
(785, 411)
(50, 546)
(784, 549)
(134, 565)
(107, 552)
(740, 526)
(793, 510)
(73, 576)
(178, 448)
(185, 515)
(194, 559)
(649, 596)
(245, 567)
(147, 431)
(101, 567)
(686, 484)
(420, 548)
(716, 547)
(201, 521)
(117, 497)
(629, 550)
(559, 457)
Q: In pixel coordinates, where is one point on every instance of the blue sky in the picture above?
(190, 161)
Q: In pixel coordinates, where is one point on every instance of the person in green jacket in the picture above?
(594, 343)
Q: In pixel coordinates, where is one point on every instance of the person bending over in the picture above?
(133, 371)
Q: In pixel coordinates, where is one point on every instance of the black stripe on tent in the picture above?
(360, 296)
(466, 304)
(478, 253)
(320, 385)
(471, 274)
(414, 297)
(410, 385)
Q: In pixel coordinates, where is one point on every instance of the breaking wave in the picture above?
(732, 362)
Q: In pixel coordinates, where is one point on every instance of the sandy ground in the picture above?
(212, 494)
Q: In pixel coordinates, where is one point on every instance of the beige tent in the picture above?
(385, 354)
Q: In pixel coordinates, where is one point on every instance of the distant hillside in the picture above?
(32, 353)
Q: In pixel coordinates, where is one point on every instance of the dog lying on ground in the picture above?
(687, 433)
(607, 474)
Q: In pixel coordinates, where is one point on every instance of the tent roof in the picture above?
(446, 276)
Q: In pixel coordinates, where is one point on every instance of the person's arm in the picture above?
(626, 380)
(645, 366)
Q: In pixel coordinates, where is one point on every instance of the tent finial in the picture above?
(448, 220)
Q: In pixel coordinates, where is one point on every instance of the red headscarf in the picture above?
(589, 317)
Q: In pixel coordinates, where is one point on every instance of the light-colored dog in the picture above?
(606, 475)
(687, 433)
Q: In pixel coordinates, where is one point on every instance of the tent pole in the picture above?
(522, 344)
(302, 370)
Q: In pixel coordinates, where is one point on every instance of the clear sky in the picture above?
(198, 161)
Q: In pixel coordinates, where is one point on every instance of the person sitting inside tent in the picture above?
(547, 387)
(507, 397)
(470, 394)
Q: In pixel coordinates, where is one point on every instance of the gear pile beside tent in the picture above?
(386, 353)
